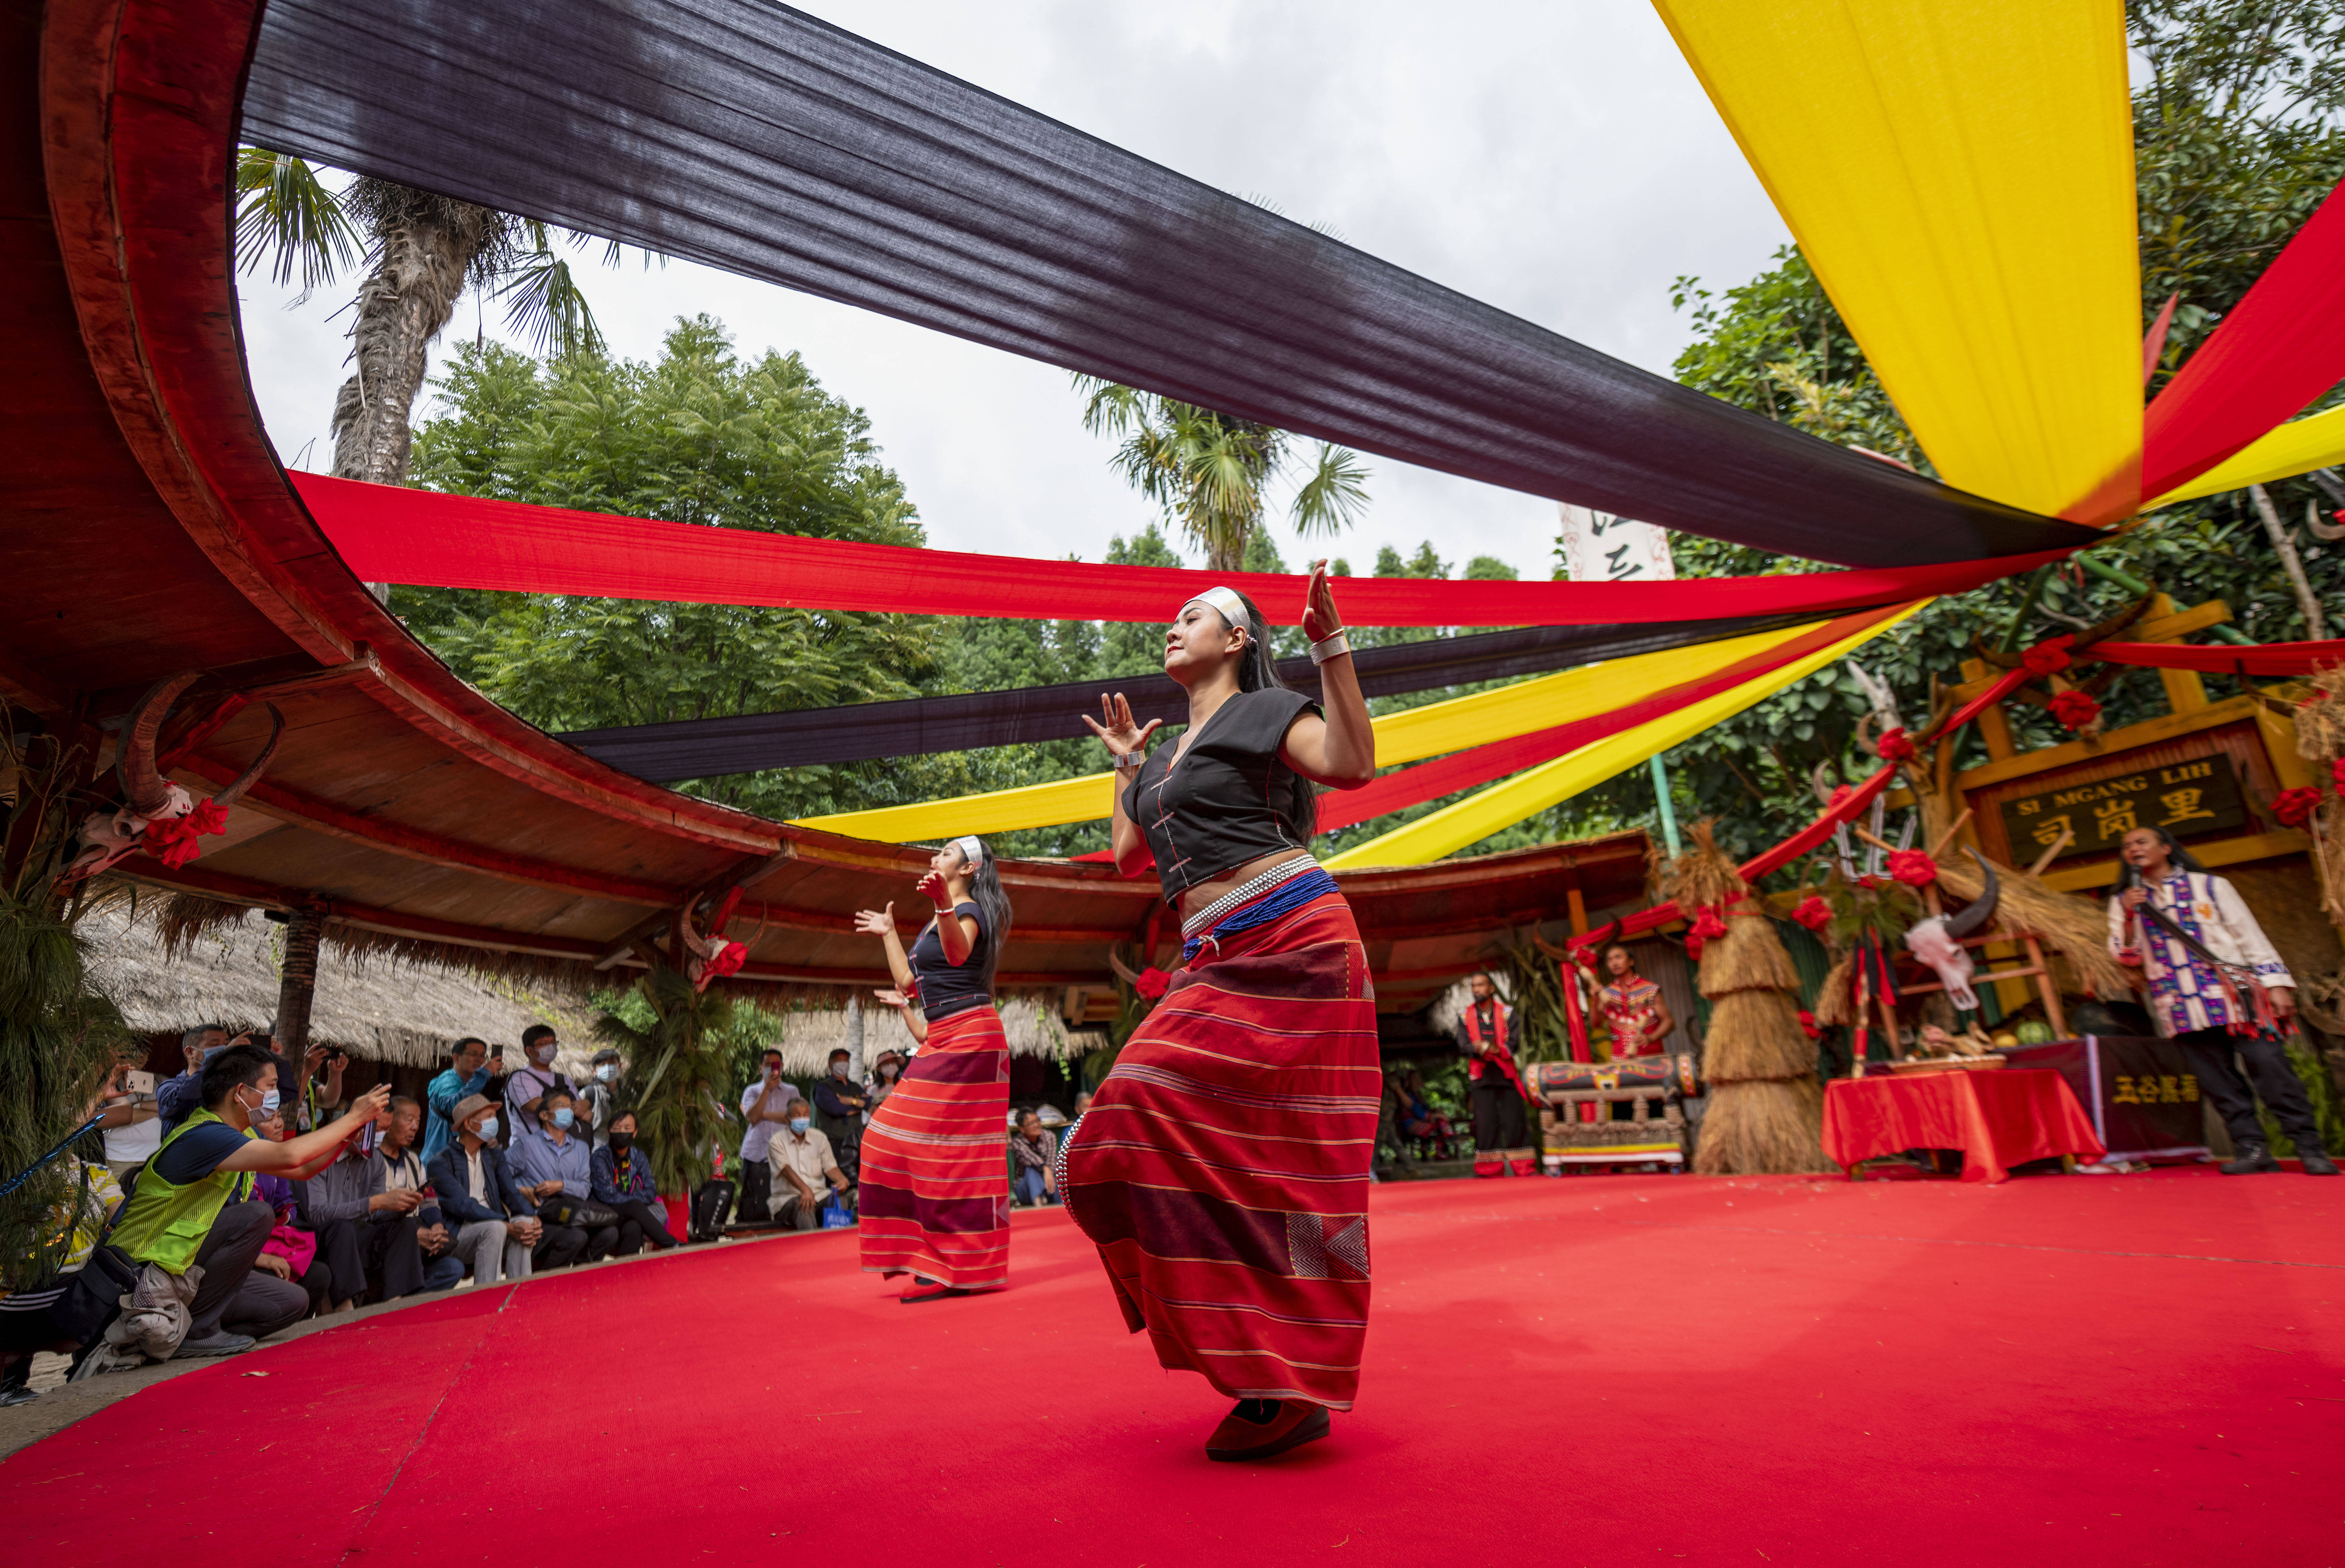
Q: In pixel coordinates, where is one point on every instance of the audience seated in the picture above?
(598, 1098)
(801, 1163)
(132, 1129)
(498, 1228)
(468, 1073)
(885, 1074)
(765, 1107)
(556, 1174)
(291, 1252)
(623, 1182)
(193, 1203)
(178, 1094)
(403, 1172)
(1032, 1149)
(366, 1231)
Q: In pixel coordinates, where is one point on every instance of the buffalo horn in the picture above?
(143, 783)
(1973, 917)
(243, 781)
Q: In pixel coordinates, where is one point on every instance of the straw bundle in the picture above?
(1766, 1125)
(1765, 1112)
(1756, 1035)
(2076, 928)
(2321, 720)
(1750, 956)
(1835, 1005)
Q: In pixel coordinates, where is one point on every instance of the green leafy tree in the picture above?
(1212, 472)
(421, 250)
(703, 435)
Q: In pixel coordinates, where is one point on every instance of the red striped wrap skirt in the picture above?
(936, 1163)
(1222, 1167)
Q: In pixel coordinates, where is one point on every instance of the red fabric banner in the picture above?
(388, 534)
(1484, 765)
(2270, 659)
(2279, 348)
(1998, 1119)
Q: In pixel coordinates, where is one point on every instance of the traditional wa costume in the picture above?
(1222, 1167)
(935, 1178)
(1501, 1127)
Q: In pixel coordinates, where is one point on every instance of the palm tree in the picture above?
(421, 249)
(1210, 471)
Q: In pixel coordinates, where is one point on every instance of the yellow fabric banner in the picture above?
(1478, 816)
(1407, 736)
(1961, 177)
(2299, 446)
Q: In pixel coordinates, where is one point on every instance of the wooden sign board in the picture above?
(2198, 795)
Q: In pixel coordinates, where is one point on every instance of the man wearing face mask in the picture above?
(839, 1103)
(525, 1090)
(802, 1163)
(477, 1190)
(598, 1098)
(555, 1171)
(367, 1229)
(193, 1204)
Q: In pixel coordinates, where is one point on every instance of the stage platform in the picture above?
(2120, 1370)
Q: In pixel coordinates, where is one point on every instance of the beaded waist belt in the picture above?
(1286, 889)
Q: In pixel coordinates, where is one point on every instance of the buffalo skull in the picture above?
(107, 836)
(1938, 941)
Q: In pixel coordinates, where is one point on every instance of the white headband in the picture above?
(971, 850)
(1233, 608)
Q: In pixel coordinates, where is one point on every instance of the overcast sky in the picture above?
(1558, 160)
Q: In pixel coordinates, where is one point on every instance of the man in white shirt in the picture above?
(803, 1166)
(765, 1107)
(526, 1086)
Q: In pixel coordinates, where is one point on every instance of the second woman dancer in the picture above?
(935, 1181)
(1222, 1167)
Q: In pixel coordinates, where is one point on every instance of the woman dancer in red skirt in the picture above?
(934, 1176)
(1222, 1168)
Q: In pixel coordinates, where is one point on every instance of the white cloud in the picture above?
(1558, 160)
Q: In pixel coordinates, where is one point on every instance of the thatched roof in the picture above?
(376, 1007)
(810, 1034)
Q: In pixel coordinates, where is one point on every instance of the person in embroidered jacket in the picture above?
(2218, 989)
(1223, 1169)
(1633, 1008)
(1501, 1134)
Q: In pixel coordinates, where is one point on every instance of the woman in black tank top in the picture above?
(1223, 1167)
(934, 1182)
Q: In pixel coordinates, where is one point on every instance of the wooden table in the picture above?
(1998, 1119)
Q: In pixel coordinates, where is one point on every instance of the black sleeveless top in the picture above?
(1228, 800)
(947, 987)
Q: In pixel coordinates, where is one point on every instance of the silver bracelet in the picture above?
(1336, 644)
(1130, 762)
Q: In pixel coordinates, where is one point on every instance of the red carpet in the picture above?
(2116, 1370)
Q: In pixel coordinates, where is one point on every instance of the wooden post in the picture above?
(1863, 1014)
(2047, 989)
(298, 980)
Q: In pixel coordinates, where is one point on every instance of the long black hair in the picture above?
(986, 892)
(1258, 672)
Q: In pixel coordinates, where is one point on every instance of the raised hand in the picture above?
(875, 921)
(1320, 619)
(932, 888)
(893, 998)
(1120, 734)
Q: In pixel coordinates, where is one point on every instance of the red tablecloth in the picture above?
(1998, 1119)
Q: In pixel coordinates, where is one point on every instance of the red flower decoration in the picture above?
(1694, 946)
(2294, 807)
(2336, 774)
(726, 960)
(1894, 747)
(1152, 983)
(1812, 913)
(2048, 658)
(1708, 924)
(1912, 868)
(1585, 957)
(2075, 709)
(1808, 1025)
(172, 840)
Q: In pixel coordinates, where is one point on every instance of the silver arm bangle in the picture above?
(1335, 645)
(1130, 762)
